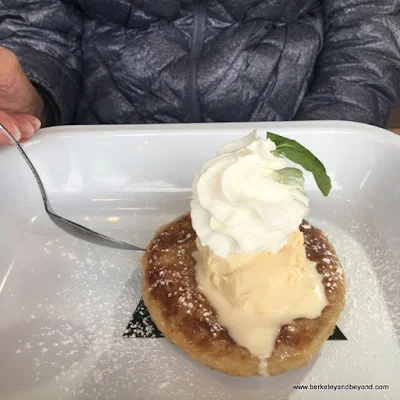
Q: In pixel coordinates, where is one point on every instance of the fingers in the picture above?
(21, 126)
(34, 121)
(27, 124)
(11, 125)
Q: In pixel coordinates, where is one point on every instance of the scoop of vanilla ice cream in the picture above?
(263, 282)
(246, 200)
(255, 294)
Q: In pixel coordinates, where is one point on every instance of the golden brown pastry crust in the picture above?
(187, 319)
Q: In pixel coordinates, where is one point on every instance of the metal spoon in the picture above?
(66, 225)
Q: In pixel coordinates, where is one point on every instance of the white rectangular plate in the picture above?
(64, 304)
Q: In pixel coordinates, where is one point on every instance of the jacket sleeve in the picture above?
(46, 37)
(357, 74)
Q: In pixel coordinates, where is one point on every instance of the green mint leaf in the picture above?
(297, 153)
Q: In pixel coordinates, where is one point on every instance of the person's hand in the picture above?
(21, 105)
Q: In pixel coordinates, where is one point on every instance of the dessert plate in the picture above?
(68, 326)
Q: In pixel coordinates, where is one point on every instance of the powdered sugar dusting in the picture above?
(318, 250)
(180, 279)
(91, 293)
(368, 316)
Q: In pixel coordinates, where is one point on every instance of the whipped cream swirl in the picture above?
(247, 200)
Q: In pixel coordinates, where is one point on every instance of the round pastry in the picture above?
(183, 314)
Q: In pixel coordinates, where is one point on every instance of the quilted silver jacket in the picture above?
(166, 61)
